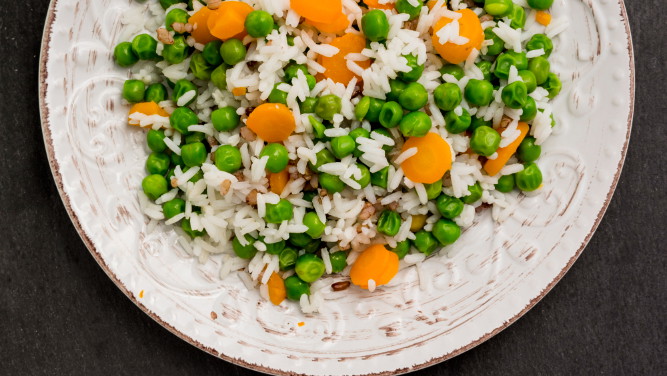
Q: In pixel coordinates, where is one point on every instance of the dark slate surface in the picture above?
(60, 314)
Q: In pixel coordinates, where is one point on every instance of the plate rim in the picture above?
(57, 177)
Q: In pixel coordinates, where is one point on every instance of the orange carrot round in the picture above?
(469, 27)
(146, 108)
(493, 166)
(199, 22)
(336, 26)
(336, 66)
(432, 160)
(319, 11)
(272, 122)
(229, 19)
(375, 4)
(278, 181)
(376, 263)
(277, 291)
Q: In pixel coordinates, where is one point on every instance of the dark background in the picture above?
(60, 314)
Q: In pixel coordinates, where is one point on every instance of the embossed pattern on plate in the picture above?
(493, 275)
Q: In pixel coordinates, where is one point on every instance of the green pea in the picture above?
(446, 231)
(158, 163)
(389, 222)
(485, 141)
(308, 105)
(259, 24)
(505, 183)
(401, 249)
(278, 157)
(193, 154)
(145, 47)
(331, 183)
(219, 77)
(195, 137)
(155, 140)
(124, 54)
(530, 178)
(404, 6)
(323, 156)
(479, 92)
(457, 123)
(176, 15)
(485, 67)
(355, 134)
(134, 90)
(433, 190)
(184, 86)
(529, 110)
(396, 88)
(232, 51)
(540, 41)
(225, 119)
(290, 40)
(173, 208)
(167, 3)
(327, 106)
(228, 158)
(475, 194)
(295, 287)
(477, 122)
(415, 124)
(375, 25)
(540, 4)
(529, 79)
(380, 177)
(247, 251)
(277, 95)
(498, 8)
(517, 17)
(309, 267)
(498, 45)
(453, 70)
(391, 114)
(275, 248)
(447, 96)
(291, 71)
(425, 242)
(309, 195)
(365, 178)
(314, 224)
(552, 85)
(528, 151)
(300, 239)
(199, 67)
(287, 259)
(374, 109)
(211, 53)
(449, 207)
(277, 213)
(176, 52)
(154, 186)
(155, 93)
(187, 228)
(415, 71)
(318, 127)
(515, 95)
(343, 146)
(313, 246)
(311, 80)
(176, 160)
(182, 118)
(540, 67)
(338, 261)
(507, 60)
(413, 97)
(361, 109)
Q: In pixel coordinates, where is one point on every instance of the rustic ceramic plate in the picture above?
(493, 275)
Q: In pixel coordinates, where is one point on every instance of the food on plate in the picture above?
(311, 146)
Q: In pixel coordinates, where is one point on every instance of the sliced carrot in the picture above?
(543, 18)
(272, 122)
(229, 19)
(199, 22)
(337, 26)
(239, 91)
(278, 181)
(277, 291)
(375, 4)
(432, 160)
(319, 11)
(148, 109)
(336, 66)
(430, 4)
(376, 263)
(493, 166)
(469, 27)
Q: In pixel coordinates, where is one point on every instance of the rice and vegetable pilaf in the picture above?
(294, 139)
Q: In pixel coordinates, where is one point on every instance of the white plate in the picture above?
(491, 277)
